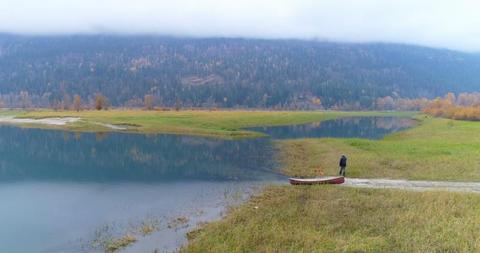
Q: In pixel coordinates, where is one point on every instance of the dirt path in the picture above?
(54, 121)
(46, 121)
(413, 185)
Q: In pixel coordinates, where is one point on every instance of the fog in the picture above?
(436, 23)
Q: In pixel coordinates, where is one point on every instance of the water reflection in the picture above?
(58, 188)
(350, 127)
(30, 154)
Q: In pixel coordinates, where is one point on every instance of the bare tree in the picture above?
(77, 103)
(24, 99)
(100, 101)
(178, 104)
(148, 100)
(66, 102)
(57, 105)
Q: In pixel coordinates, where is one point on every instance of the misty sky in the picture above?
(438, 23)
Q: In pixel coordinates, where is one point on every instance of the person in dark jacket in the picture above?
(343, 165)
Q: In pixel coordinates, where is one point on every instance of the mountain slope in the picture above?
(227, 72)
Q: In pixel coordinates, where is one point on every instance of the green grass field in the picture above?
(224, 124)
(437, 149)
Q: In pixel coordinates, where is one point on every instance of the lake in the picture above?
(70, 192)
(349, 127)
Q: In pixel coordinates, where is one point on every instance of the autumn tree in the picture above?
(315, 103)
(100, 101)
(148, 101)
(450, 99)
(465, 107)
(385, 103)
(442, 107)
(77, 103)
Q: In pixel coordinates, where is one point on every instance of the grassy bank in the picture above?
(336, 219)
(437, 149)
(225, 124)
(6, 112)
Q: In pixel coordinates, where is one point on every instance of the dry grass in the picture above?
(337, 219)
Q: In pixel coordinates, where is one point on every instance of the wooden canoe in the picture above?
(317, 180)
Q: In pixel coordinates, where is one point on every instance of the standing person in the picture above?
(343, 165)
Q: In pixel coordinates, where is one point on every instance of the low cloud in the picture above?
(437, 23)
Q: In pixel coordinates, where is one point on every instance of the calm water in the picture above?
(58, 189)
(60, 192)
(350, 127)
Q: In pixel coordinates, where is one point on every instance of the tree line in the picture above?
(465, 106)
(232, 73)
(97, 102)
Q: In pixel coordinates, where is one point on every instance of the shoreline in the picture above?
(348, 219)
(366, 160)
(223, 124)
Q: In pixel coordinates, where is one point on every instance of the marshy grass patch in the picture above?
(114, 237)
(119, 243)
(180, 221)
(148, 227)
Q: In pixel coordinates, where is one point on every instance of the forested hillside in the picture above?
(44, 71)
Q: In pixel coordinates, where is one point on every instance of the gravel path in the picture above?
(413, 185)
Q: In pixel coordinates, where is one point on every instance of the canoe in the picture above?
(317, 180)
